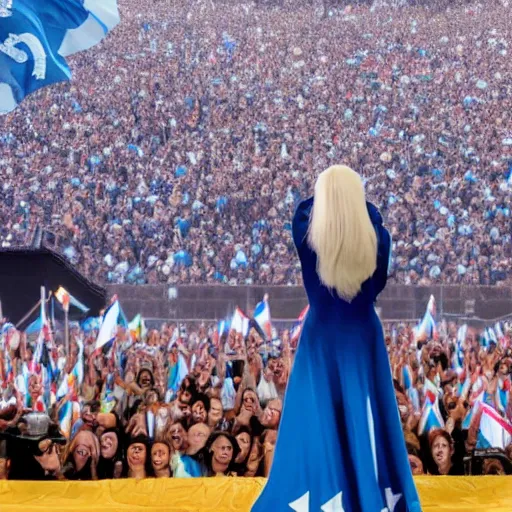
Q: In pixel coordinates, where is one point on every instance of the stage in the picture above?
(438, 494)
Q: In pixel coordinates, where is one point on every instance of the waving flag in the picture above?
(495, 431)
(430, 417)
(36, 36)
(502, 395)
(240, 322)
(138, 328)
(297, 328)
(67, 300)
(108, 329)
(262, 318)
(427, 327)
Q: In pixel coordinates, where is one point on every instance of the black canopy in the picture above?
(24, 270)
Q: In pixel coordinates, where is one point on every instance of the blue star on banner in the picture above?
(36, 37)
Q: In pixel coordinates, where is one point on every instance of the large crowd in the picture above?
(185, 140)
(178, 402)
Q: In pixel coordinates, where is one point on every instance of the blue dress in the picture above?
(37, 35)
(340, 446)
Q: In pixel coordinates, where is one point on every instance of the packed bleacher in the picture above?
(186, 139)
(206, 401)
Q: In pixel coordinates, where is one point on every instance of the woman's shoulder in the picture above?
(374, 214)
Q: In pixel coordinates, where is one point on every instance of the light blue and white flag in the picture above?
(36, 37)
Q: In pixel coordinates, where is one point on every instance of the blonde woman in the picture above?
(340, 446)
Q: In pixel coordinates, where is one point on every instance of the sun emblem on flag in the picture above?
(5, 5)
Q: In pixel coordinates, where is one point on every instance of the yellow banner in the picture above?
(438, 494)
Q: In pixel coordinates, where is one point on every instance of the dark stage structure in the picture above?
(24, 270)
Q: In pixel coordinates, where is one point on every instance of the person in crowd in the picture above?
(138, 457)
(445, 461)
(110, 463)
(221, 451)
(160, 459)
(82, 456)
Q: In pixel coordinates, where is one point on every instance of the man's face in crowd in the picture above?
(250, 401)
(88, 416)
(178, 437)
(34, 386)
(216, 412)
(151, 397)
(197, 437)
(199, 413)
(160, 456)
(50, 458)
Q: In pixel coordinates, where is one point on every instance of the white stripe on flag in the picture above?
(108, 327)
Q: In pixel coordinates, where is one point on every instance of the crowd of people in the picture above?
(182, 403)
(180, 149)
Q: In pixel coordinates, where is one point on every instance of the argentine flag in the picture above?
(36, 37)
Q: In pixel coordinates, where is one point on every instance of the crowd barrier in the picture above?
(209, 302)
(438, 494)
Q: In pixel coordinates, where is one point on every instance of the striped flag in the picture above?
(240, 322)
(108, 329)
(495, 431)
(297, 328)
(427, 328)
(430, 417)
(263, 319)
(502, 396)
(431, 391)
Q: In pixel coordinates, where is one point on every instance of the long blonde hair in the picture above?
(341, 232)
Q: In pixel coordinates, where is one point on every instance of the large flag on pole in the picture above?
(36, 36)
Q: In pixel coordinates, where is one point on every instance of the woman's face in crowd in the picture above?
(136, 455)
(416, 465)
(244, 442)
(199, 413)
(254, 460)
(222, 450)
(272, 414)
(160, 456)
(178, 437)
(441, 451)
(83, 450)
(109, 444)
